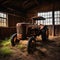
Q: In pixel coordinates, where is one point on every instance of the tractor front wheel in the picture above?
(31, 47)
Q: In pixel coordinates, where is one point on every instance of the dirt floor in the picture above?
(45, 51)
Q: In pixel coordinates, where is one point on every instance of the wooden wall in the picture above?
(6, 32)
(45, 6)
(14, 19)
(57, 30)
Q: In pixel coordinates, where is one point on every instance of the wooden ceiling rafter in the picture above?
(21, 5)
(36, 2)
(25, 2)
(5, 2)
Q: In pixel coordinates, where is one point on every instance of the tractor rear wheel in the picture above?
(14, 39)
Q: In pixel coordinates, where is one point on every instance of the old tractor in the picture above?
(27, 31)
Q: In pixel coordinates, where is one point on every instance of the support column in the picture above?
(53, 32)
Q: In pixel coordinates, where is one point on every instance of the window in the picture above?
(57, 17)
(3, 19)
(48, 16)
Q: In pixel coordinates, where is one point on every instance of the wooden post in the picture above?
(53, 21)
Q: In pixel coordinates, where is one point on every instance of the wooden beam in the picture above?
(25, 2)
(36, 2)
(5, 2)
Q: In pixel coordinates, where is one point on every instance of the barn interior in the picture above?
(22, 11)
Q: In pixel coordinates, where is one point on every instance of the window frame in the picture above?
(48, 17)
(4, 19)
(57, 17)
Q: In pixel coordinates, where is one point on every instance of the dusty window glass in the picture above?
(48, 16)
(3, 19)
(57, 17)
